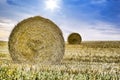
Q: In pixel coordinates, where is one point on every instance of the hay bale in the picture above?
(74, 38)
(36, 40)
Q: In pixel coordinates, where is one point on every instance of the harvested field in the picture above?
(80, 62)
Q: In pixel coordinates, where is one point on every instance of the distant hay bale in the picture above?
(36, 40)
(74, 38)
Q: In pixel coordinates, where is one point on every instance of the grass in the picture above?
(54, 72)
(92, 60)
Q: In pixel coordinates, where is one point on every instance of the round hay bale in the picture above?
(36, 40)
(74, 38)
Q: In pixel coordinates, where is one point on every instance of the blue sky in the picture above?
(93, 19)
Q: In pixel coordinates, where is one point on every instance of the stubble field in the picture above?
(91, 60)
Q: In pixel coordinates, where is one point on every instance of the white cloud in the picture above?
(90, 31)
(6, 25)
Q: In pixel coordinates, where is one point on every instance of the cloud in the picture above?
(18, 9)
(23, 3)
(6, 25)
(88, 18)
(98, 1)
(107, 28)
(97, 30)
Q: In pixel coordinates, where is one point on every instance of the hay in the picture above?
(74, 38)
(36, 40)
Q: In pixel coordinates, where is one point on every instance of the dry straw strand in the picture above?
(36, 40)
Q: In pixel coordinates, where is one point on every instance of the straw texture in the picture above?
(74, 38)
(36, 40)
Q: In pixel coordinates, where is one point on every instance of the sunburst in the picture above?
(52, 5)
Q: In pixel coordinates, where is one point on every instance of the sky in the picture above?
(92, 19)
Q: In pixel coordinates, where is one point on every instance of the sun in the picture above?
(52, 5)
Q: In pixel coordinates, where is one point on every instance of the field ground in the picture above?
(91, 60)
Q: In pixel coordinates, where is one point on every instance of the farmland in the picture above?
(91, 60)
